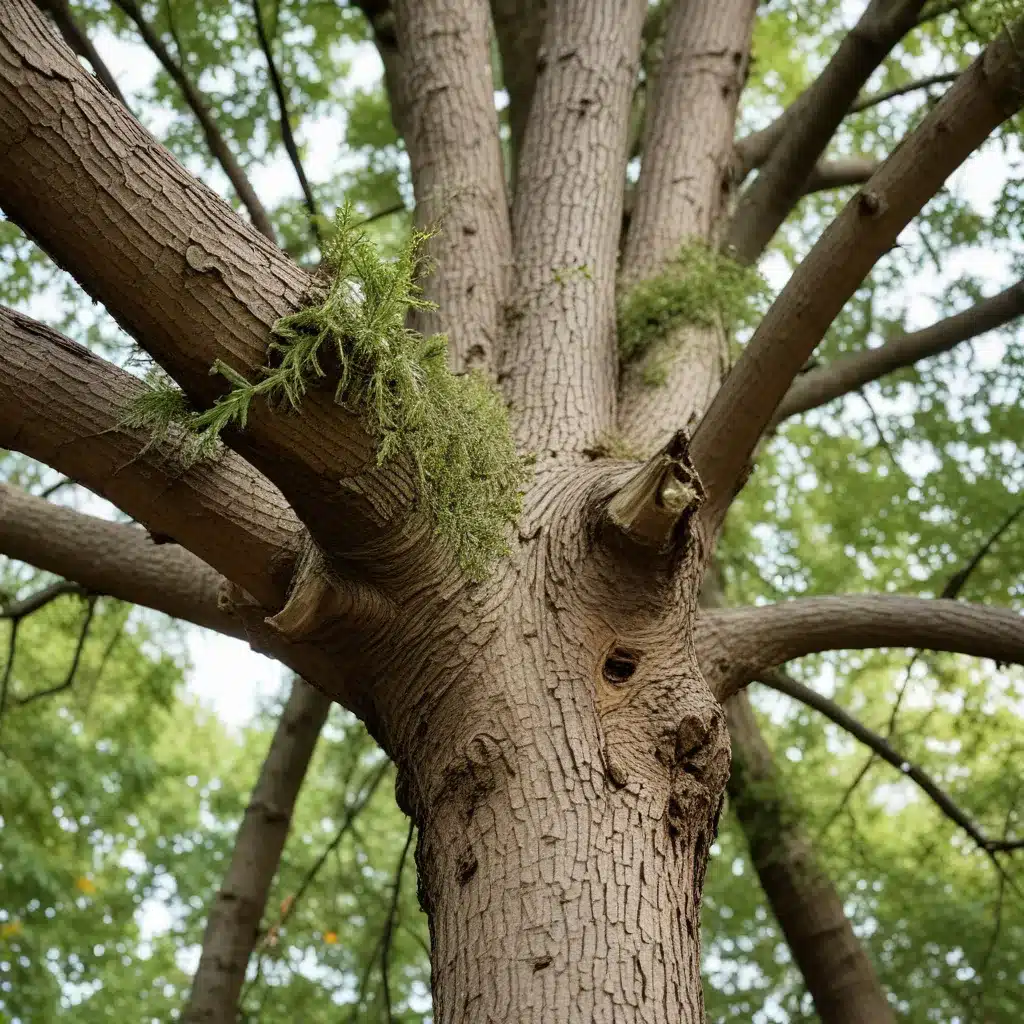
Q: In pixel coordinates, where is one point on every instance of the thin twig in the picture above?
(70, 677)
(286, 126)
(50, 491)
(784, 683)
(40, 599)
(389, 925)
(873, 99)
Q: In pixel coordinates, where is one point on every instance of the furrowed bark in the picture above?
(823, 384)
(518, 26)
(458, 175)
(62, 405)
(112, 559)
(177, 269)
(736, 645)
(680, 198)
(79, 41)
(834, 964)
(809, 124)
(234, 920)
(983, 97)
(219, 148)
(560, 369)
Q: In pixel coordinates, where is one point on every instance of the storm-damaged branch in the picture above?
(983, 97)
(782, 682)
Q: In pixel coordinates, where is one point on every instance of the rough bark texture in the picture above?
(560, 369)
(680, 197)
(836, 969)
(451, 135)
(234, 919)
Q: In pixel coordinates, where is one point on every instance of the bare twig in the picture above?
(287, 136)
(40, 599)
(873, 99)
(69, 678)
(782, 682)
(389, 924)
(214, 139)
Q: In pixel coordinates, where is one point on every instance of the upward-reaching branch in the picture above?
(214, 139)
(848, 373)
(809, 124)
(451, 135)
(984, 96)
(560, 368)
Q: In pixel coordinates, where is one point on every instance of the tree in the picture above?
(527, 647)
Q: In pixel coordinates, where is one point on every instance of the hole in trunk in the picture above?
(620, 665)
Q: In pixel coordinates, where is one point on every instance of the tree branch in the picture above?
(79, 41)
(191, 281)
(233, 922)
(849, 373)
(982, 98)
(680, 198)
(286, 125)
(738, 645)
(41, 598)
(839, 173)
(785, 683)
(214, 139)
(873, 99)
(112, 559)
(518, 26)
(62, 405)
(560, 369)
(69, 678)
(458, 173)
(809, 124)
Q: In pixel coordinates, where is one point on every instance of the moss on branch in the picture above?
(452, 428)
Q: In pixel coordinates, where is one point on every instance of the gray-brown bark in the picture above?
(681, 196)
(234, 919)
(825, 383)
(809, 124)
(451, 135)
(834, 964)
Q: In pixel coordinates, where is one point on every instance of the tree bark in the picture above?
(233, 924)
(834, 964)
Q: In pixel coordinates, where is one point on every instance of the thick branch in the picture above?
(112, 559)
(838, 173)
(518, 26)
(79, 41)
(190, 280)
(982, 98)
(823, 384)
(287, 135)
(214, 139)
(451, 135)
(680, 198)
(560, 368)
(736, 646)
(785, 683)
(810, 123)
(61, 404)
(233, 923)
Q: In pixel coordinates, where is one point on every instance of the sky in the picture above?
(225, 674)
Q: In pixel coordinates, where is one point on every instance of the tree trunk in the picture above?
(834, 964)
(233, 924)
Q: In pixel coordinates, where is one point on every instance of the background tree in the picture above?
(591, 616)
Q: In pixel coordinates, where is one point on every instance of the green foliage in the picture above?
(702, 287)
(454, 429)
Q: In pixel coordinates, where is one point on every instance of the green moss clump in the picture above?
(701, 287)
(453, 428)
